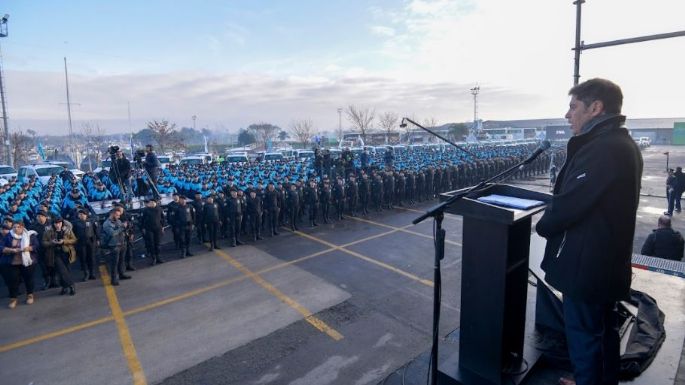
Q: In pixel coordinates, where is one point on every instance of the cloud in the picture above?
(231, 100)
(381, 30)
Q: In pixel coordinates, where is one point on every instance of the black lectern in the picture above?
(494, 283)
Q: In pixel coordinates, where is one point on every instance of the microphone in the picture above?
(541, 148)
(403, 124)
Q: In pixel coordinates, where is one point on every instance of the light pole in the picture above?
(340, 123)
(194, 117)
(6, 130)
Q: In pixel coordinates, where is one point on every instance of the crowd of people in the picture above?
(52, 226)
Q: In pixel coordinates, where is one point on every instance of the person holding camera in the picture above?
(114, 239)
(59, 242)
(151, 163)
(120, 172)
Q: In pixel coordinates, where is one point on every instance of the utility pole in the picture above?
(576, 59)
(474, 91)
(71, 127)
(6, 129)
(340, 123)
(194, 117)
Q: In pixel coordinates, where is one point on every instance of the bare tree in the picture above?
(361, 118)
(164, 133)
(303, 130)
(264, 132)
(388, 123)
(20, 145)
(430, 123)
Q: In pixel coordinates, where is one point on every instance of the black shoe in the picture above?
(53, 285)
(72, 290)
(124, 276)
(160, 260)
(91, 277)
(63, 291)
(189, 254)
(115, 283)
(130, 268)
(232, 245)
(276, 233)
(259, 237)
(239, 243)
(217, 247)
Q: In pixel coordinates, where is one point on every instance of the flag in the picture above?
(41, 152)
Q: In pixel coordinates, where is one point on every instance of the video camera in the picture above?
(139, 156)
(113, 150)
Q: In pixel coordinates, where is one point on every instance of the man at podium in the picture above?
(589, 225)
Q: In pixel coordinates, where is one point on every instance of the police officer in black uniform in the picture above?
(325, 200)
(311, 196)
(152, 225)
(212, 218)
(86, 231)
(185, 220)
(272, 208)
(235, 210)
(198, 205)
(293, 203)
(254, 212)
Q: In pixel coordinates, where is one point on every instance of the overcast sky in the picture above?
(232, 63)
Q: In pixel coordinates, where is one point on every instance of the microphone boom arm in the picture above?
(437, 135)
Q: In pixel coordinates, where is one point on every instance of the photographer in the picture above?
(151, 163)
(120, 172)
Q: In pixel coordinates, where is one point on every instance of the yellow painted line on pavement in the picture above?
(55, 334)
(127, 346)
(308, 316)
(402, 229)
(368, 259)
(177, 298)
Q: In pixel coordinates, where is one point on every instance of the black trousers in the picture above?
(152, 240)
(273, 220)
(212, 229)
(62, 267)
(255, 224)
(185, 233)
(14, 274)
(313, 210)
(235, 227)
(325, 209)
(86, 254)
(200, 228)
(292, 216)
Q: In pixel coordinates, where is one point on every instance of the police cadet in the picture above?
(185, 220)
(401, 188)
(86, 231)
(152, 227)
(272, 208)
(352, 192)
(377, 191)
(198, 205)
(281, 192)
(364, 193)
(220, 200)
(212, 218)
(339, 198)
(421, 186)
(171, 210)
(235, 209)
(311, 196)
(411, 187)
(325, 200)
(293, 203)
(389, 189)
(254, 212)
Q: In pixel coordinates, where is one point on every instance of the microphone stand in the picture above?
(438, 214)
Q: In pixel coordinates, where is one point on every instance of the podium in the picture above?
(494, 285)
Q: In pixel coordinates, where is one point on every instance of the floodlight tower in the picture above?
(474, 91)
(6, 131)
